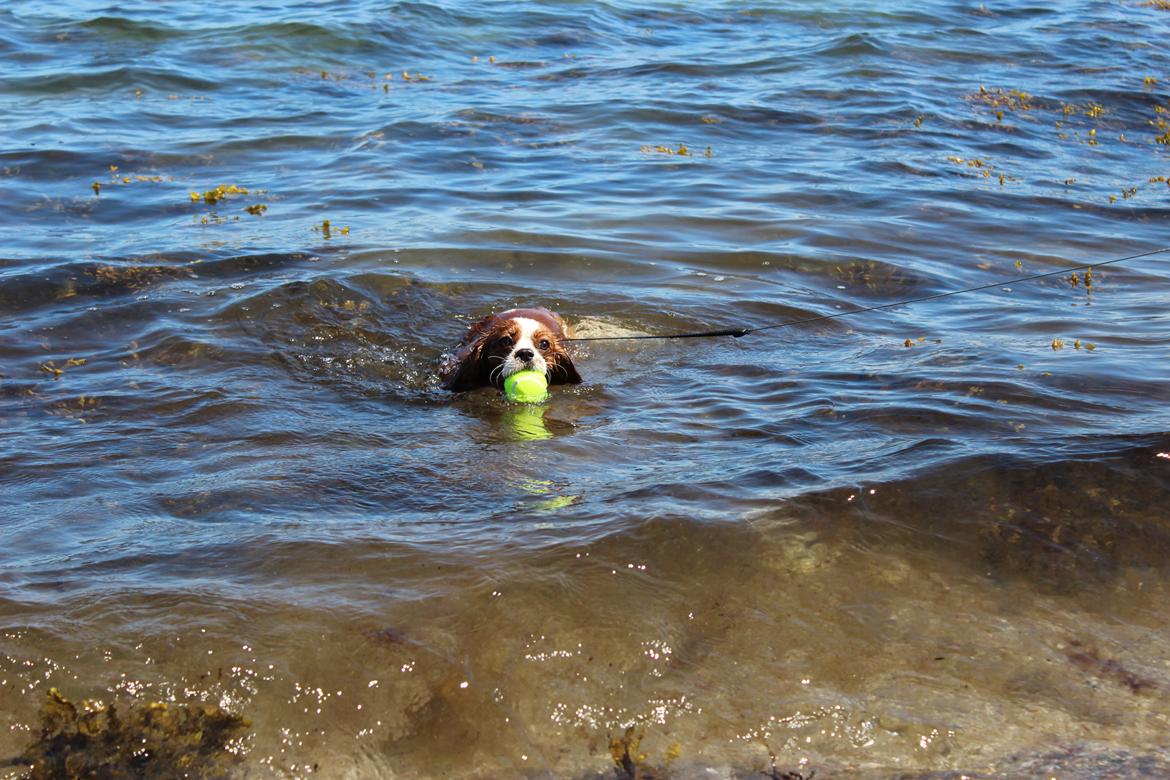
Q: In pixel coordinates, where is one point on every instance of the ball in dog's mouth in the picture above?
(526, 387)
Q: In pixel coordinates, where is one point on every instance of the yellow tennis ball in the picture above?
(526, 387)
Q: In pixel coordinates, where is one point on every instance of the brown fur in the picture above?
(481, 353)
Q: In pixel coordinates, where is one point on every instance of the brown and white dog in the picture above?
(501, 344)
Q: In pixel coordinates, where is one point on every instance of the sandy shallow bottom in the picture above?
(959, 644)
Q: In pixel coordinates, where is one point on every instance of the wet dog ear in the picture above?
(477, 331)
(562, 370)
(470, 367)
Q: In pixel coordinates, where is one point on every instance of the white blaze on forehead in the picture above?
(525, 339)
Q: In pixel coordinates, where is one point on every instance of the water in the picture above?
(918, 541)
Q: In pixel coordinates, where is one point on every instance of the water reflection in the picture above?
(526, 422)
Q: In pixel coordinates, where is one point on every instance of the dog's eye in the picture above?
(505, 342)
(544, 344)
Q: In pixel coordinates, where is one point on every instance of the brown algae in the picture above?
(133, 739)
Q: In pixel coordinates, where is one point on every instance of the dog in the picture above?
(501, 344)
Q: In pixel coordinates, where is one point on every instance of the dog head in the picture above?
(515, 340)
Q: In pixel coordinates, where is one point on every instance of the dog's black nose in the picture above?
(525, 355)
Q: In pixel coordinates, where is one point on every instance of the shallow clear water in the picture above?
(912, 541)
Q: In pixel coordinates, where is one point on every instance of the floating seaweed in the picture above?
(682, 151)
(53, 370)
(117, 179)
(1014, 100)
(75, 409)
(1059, 343)
(327, 229)
(372, 78)
(983, 168)
(1071, 125)
(219, 193)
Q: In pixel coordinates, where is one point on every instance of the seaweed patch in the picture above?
(118, 178)
(628, 758)
(134, 739)
(1000, 101)
(371, 82)
(1014, 99)
(219, 193)
(111, 278)
(328, 230)
(224, 192)
(682, 151)
(1059, 343)
(631, 763)
(981, 167)
(1089, 123)
(55, 372)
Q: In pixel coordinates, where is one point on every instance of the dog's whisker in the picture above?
(502, 344)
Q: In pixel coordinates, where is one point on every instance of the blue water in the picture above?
(926, 539)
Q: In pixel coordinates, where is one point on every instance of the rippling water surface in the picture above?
(910, 543)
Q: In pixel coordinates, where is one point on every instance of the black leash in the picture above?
(740, 332)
